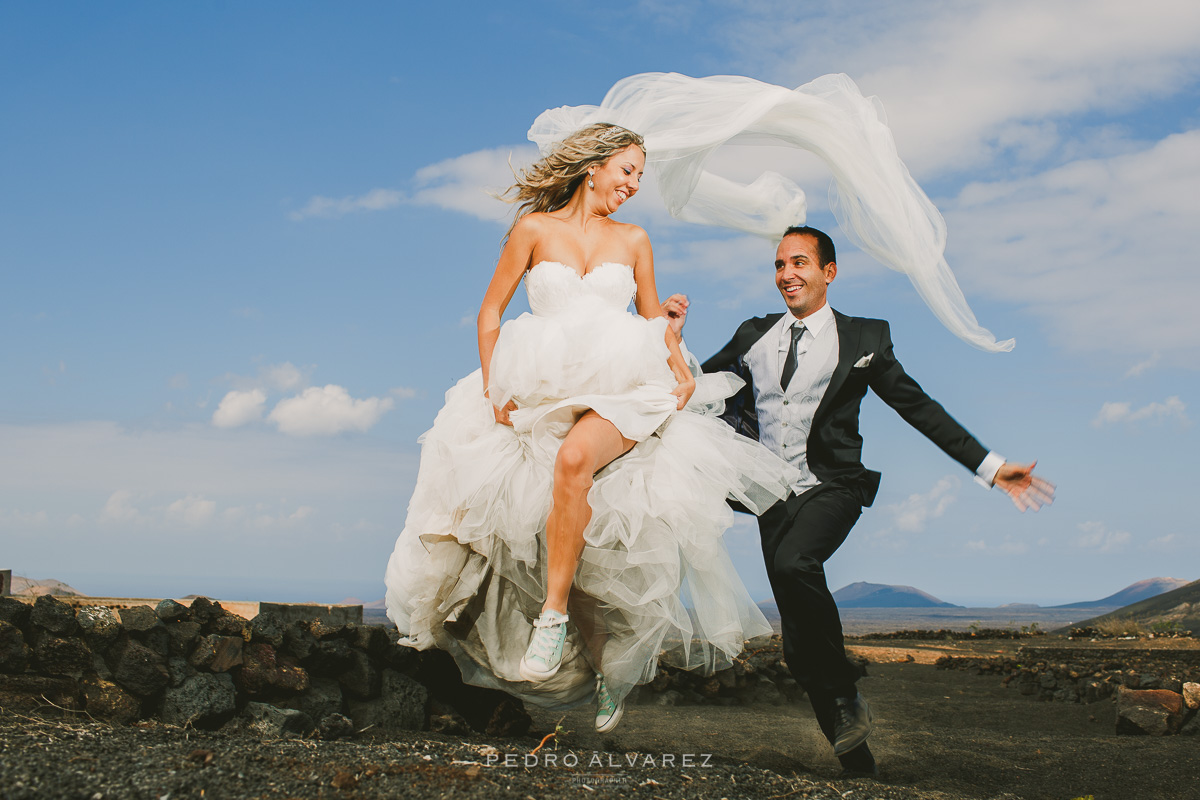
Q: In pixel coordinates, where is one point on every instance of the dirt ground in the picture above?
(940, 735)
(936, 730)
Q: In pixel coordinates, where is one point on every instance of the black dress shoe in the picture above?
(859, 763)
(852, 723)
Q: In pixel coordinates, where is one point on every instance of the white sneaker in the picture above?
(608, 710)
(544, 655)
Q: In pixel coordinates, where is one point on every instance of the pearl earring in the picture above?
(591, 183)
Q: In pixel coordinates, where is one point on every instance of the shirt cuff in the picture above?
(985, 474)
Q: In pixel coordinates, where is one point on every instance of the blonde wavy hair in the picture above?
(548, 183)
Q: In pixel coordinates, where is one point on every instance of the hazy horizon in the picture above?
(333, 591)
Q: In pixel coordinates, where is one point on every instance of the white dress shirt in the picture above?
(785, 417)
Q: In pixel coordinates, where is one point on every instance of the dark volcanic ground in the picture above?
(941, 735)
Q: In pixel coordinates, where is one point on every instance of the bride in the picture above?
(569, 483)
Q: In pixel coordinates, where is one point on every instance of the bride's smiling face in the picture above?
(618, 179)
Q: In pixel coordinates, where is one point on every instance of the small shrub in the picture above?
(1120, 626)
(1165, 627)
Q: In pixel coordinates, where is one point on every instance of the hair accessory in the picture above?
(612, 132)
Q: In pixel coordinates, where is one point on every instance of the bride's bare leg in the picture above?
(591, 444)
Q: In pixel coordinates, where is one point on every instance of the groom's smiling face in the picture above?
(801, 278)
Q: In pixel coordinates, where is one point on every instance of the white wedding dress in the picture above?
(468, 573)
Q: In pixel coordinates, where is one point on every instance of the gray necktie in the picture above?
(789, 365)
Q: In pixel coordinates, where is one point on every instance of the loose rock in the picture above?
(402, 705)
(335, 726)
(139, 670)
(449, 724)
(271, 722)
(14, 612)
(267, 627)
(361, 679)
(229, 624)
(202, 701)
(509, 719)
(28, 692)
(1191, 695)
(217, 653)
(170, 611)
(204, 610)
(100, 626)
(58, 656)
(181, 636)
(108, 701)
(53, 615)
(14, 653)
(1149, 712)
(138, 619)
(323, 698)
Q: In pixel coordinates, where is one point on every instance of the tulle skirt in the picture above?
(654, 578)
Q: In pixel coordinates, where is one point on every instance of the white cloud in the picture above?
(965, 82)
(1167, 542)
(178, 381)
(14, 518)
(914, 512)
(238, 408)
(1077, 244)
(1112, 413)
(1008, 547)
(402, 392)
(192, 510)
(1096, 536)
(333, 207)
(327, 410)
(281, 519)
(463, 183)
(119, 508)
(1140, 367)
(284, 377)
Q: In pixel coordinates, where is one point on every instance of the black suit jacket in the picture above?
(834, 443)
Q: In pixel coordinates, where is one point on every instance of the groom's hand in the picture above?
(1026, 490)
(675, 309)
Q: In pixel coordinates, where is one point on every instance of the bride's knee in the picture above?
(572, 467)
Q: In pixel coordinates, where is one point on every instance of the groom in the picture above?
(806, 373)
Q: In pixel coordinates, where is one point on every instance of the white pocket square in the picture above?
(865, 361)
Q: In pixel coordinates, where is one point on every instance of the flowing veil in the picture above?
(877, 203)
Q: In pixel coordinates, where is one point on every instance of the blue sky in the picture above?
(242, 247)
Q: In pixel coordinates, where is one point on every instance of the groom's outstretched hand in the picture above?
(675, 309)
(1026, 490)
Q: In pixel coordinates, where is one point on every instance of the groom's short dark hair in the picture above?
(825, 250)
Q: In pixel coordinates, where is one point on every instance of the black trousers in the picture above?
(799, 534)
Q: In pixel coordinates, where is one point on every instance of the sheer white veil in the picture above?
(878, 205)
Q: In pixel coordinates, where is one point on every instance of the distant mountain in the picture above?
(1133, 593)
(354, 601)
(879, 595)
(28, 586)
(1021, 606)
(770, 609)
(1180, 607)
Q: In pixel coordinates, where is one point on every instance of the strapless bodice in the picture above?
(553, 287)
